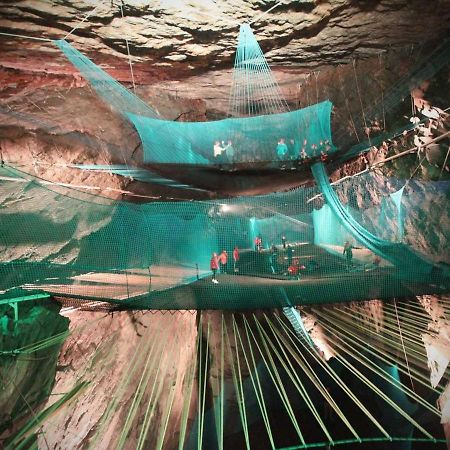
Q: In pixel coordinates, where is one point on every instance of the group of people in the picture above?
(289, 252)
(296, 152)
(285, 150)
(224, 153)
(221, 263)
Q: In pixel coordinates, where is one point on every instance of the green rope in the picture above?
(188, 396)
(365, 330)
(376, 352)
(140, 391)
(163, 430)
(363, 440)
(205, 382)
(294, 339)
(238, 385)
(275, 376)
(255, 381)
(312, 376)
(365, 361)
(19, 440)
(152, 401)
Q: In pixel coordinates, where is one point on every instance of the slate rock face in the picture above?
(176, 39)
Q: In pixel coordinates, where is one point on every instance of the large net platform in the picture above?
(157, 255)
(261, 127)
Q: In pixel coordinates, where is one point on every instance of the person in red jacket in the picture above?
(223, 260)
(235, 258)
(214, 265)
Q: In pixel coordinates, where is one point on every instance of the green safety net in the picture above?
(306, 134)
(109, 89)
(157, 255)
(396, 253)
(279, 135)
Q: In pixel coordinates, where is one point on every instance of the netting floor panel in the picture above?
(244, 292)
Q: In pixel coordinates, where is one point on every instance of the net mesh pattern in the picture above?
(157, 255)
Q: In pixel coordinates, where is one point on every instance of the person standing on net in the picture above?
(283, 241)
(282, 150)
(218, 150)
(257, 243)
(348, 252)
(229, 151)
(223, 260)
(290, 254)
(214, 265)
(235, 259)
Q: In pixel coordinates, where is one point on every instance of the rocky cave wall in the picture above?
(50, 118)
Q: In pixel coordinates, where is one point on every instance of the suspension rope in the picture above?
(238, 384)
(297, 353)
(254, 377)
(274, 373)
(26, 37)
(351, 321)
(83, 20)
(382, 90)
(364, 360)
(128, 51)
(360, 101)
(361, 341)
(403, 344)
(316, 74)
(265, 13)
(347, 105)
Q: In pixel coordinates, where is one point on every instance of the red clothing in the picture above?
(214, 263)
(223, 257)
(236, 254)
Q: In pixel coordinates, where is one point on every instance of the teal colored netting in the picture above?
(306, 133)
(328, 228)
(77, 245)
(398, 254)
(110, 90)
(144, 175)
(397, 199)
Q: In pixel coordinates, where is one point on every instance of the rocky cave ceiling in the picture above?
(176, 39)
(182, 54)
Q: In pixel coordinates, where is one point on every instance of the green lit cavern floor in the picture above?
(228, 380)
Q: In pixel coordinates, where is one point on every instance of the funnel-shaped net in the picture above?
(254, 89)
(274, 134)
